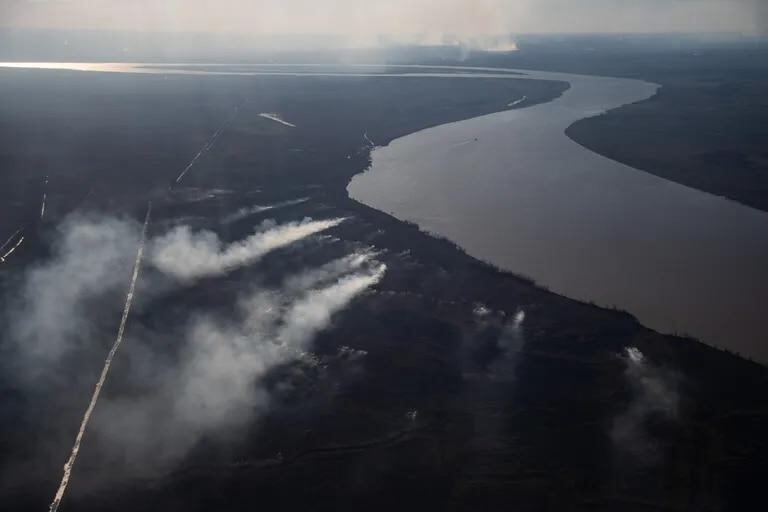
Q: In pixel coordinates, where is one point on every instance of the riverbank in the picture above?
(705, 129)
(513, 190)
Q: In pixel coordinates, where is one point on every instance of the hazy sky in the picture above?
(361, 19)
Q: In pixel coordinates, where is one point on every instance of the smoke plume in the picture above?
(244, 213)
(654, 392)
(201, 379)
(58, 299)
(216, 385)
(188, 256)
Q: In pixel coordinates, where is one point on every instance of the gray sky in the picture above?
(363, 20)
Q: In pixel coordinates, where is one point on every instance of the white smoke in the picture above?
(481, 310)
(189, 387)
(314, 311)
(327, 272)
(53, 313)
(426, 21)
(518, 319)
(59, 302)
(509, 343)
(217, 384)
(188, 256)
(654, 392)
(246, 212)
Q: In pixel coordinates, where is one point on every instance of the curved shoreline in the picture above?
(578, 223)
(617, 195)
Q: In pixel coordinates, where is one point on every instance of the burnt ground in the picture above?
(525, 422)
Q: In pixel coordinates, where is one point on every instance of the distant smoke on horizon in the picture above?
(415, 21)
(761, 17)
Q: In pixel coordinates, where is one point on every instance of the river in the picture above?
(513, 190)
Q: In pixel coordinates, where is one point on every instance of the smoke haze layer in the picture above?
(428, 21)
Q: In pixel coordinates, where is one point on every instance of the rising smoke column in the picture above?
(654, 392)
